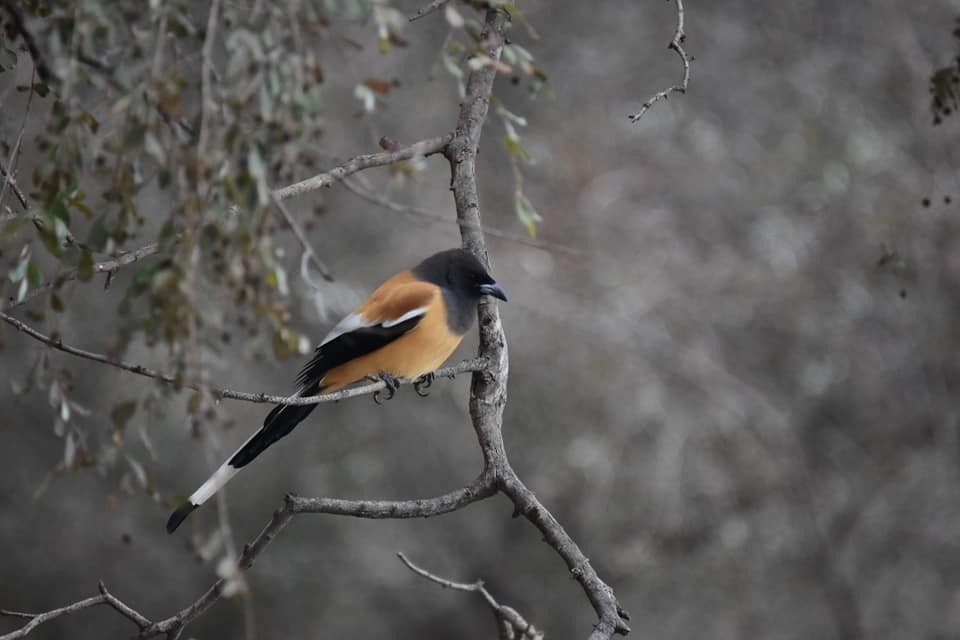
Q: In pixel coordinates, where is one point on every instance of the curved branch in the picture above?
(488, 392)
(423, 148)
(506, 616)
(679, 37)
(481, 488)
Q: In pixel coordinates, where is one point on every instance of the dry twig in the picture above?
(508, 617)
(679, 37)
(427, 9)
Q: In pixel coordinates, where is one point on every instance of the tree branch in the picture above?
(105, 597)
(423, 148)
(480, 489)
(308, 252)
(505, 615)
(56, 342)
(107, 266)
(434, 217)
(428, 9)
(679, 37)
(488, 391)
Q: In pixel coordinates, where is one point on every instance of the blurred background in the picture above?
(733, 368)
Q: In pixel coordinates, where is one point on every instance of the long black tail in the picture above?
(279, 422)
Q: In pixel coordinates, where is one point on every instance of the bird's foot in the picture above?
(421, 384)
(391, 382)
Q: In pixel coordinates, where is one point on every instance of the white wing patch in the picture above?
(348, 324)
(355, 321)
(413, 313)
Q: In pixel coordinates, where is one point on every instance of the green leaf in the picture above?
(194, 403)
(50, 242)
(58, 209)
(34, 276)
(527, 214)
(85, 266)
(97, 238)
(121, 413)
(19, 272)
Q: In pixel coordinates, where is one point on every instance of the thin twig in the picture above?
(439, 218)
(418, 149)
(679, 36)
(308, 252)
(206, 98)
(427, 9)
(107, 266)
(9, 179)
(57, 343)
(105, 597)
(8, 174)
(503, 613)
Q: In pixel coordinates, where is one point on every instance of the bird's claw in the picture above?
(421, 384)
(391, 385)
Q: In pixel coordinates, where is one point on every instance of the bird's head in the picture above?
(458, 270)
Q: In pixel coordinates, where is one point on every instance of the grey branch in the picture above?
(488, 392)
(105, 597)
(434, 217)
(418, 149)
(107, 266)
(308, 252)
(427, 9)
(57, 343)
(679, 37)
(507, 617)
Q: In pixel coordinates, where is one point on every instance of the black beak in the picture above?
(493, 289)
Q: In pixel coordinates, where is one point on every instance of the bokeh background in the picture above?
(733, 368)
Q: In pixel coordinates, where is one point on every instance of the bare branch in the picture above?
(427, 9)
(505, 615)
(8, 178)
(105, 597)
(56, 342)
(488, 391)
(480, 489)
(423, 148)
(206, 97)
(434, 217)
(679, 37)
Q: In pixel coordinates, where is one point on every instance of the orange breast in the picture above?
(421, 350)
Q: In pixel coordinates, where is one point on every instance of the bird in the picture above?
(406, 329)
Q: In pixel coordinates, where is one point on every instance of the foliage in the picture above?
(204, 107)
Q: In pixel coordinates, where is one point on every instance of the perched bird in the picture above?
(406, 329)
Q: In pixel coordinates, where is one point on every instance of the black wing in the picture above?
(284, 417)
